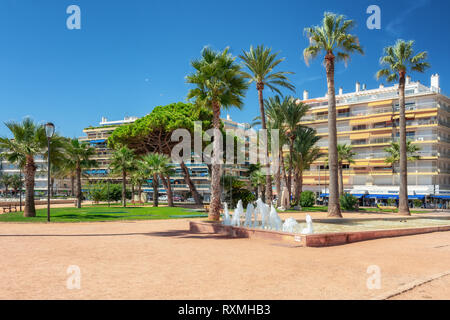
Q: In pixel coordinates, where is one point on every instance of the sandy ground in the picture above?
(162, 260)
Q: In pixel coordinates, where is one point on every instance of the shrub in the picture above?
(348, 202)
(307, 199)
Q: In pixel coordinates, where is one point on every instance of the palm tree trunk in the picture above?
(341, 181)
(79, 193)
(166, 183)
(140, 192)
(334, 208)
(155, 191)
(269, 196)
(283, 171)
(278, 186)
(187, 178)
(29, 172)
(124, 188)
(403, 194)
(72, 185)
(132, 192)
(299, 186)
(289, 182)
(215, 206)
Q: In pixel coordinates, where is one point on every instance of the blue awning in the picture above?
(441, 197)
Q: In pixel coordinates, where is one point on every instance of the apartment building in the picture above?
(368, 120)
(199, 173)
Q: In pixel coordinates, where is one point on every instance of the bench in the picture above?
(9, 208)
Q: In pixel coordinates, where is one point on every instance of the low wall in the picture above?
(314, 240)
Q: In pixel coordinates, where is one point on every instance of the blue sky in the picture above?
(131, 56)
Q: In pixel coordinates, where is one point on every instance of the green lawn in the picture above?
(103, 213)
(361, 210)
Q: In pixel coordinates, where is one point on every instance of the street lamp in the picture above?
(49, 132)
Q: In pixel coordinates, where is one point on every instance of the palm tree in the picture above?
(257, 180)
(345, 156)
(158, 166)
(139, 178)
(29, 140)
(218, 84)
(275, 121)
(334, 40)
(78, 154)
(399, 60)
(293, 112)
(5, 180)
(394, 155)
(123, 161)
(16, 183)
(261, 62)
(304, 153)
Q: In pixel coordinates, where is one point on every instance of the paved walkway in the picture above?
(161, 260)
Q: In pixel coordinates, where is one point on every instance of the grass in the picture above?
(361, 210)
(103, 213)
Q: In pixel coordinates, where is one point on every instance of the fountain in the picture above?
(248, 216)
(236, 220)
(291, 226)
(226, 215)
(275, 221)
(309, 226)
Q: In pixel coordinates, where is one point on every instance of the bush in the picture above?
(104, 192)
(307, 199)
(348, 202)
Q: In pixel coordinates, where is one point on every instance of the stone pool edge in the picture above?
(314, 240)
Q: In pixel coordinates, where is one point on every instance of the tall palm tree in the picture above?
(345, 156)
(218, 84)
(29, 140)
(261, 62)
(334, 40)
(158, 167)
(398, 60)
(293, 112)
(79, 157)
(304, 153)
(123, 162)
(275, 121)
(138, 178)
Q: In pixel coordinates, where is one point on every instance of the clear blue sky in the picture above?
(131, 56)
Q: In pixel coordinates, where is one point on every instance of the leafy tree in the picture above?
(123, 162)
(29, 141)
(257, 180)
(345, 156)
(261, 62)
(334, 40)
(16, 183)
(235, 190)
(398, 60)
(218, 84)
(6, 180)
(153, 133)
(348, 202)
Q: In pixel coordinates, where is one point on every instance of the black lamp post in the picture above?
(49, 131)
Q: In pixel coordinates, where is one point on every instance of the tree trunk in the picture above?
(124, 188)
(278, 186)
(299, 186)
(291, 151)
(341, 181)
(192, 188)
(79, 193)
(132, 192)
(403, 208)
(140, 192)
(166, 183)
(215, 206)
(283, 171)
(155, 191)
(334, 208)
(29, 172)
(269, 196)
(72, 185)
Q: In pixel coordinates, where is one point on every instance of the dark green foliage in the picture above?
(307, 199)
(102, 191)
(348, 202)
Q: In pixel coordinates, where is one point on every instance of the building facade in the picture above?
(368, 120)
